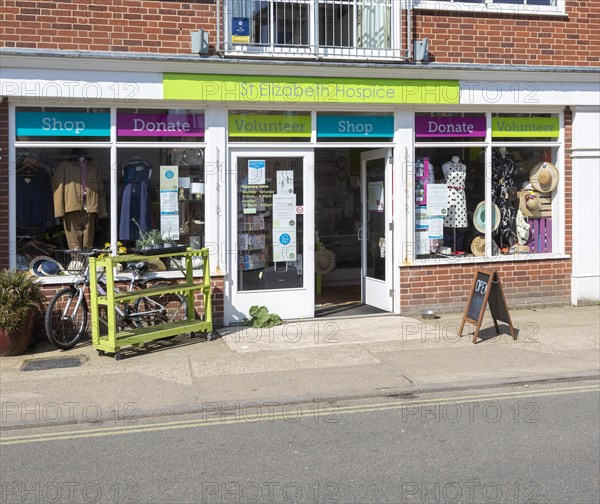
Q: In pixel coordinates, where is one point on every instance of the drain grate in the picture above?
(52, 363)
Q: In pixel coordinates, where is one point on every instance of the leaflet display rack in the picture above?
(115, 340)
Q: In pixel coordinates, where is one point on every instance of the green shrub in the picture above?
(20, 293)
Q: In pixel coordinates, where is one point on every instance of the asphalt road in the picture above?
(536, 444)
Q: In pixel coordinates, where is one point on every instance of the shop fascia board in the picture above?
(136, 62)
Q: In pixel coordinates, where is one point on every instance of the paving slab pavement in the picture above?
(300, 361)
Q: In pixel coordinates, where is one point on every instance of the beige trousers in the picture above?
(79, 228)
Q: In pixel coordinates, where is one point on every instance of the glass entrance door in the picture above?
(376, 229)
(272, 233)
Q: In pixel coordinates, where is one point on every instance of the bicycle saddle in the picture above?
(139, 266)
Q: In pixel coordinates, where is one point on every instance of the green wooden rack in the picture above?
(116, 339)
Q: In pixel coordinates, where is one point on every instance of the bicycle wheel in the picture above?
(160, 309)
(66, 318)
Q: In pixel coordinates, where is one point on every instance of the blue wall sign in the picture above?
(355, 126)
(71, 124)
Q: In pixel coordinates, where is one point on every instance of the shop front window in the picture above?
(64, 176)
(62, 201)
(451, 185)
(161, 197)
(270, 230)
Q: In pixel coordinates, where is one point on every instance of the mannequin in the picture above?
(503, 190)
(135, 202)
(456, 173)
(78, 198)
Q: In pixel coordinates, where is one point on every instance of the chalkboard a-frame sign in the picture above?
(486, 289)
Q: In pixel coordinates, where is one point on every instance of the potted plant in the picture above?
(155, 237)
(168, 240)
(20, 295)
(143, 242)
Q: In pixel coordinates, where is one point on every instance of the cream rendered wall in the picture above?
(585, 279)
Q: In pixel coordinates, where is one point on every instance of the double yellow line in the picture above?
(285, 415)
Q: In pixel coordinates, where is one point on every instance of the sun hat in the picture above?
(529, 203)
(324, 261)
(43, 266)
(478, 247)
(155, 264)
(544, 177)
(479, 217)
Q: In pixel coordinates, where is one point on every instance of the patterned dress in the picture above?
(503, 182)
(456, 174)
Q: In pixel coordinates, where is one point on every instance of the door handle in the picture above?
(359, 234)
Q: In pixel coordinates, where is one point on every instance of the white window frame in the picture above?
(488, 144)
(517, 7)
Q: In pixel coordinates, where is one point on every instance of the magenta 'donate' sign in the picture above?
(449, 126)
(171, 125)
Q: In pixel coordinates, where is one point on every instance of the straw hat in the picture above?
(478, 246)
(44, 266)
(529, 203)
(479, 217)
(544, 177)
(155, 264)
(324, 261)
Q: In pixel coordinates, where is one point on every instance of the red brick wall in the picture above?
(165, 26)
(512, 39)
(446, 285)
(106, 25)
(4, 245)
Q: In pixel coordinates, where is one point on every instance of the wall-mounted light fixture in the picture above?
(200, 42)
(421, 50)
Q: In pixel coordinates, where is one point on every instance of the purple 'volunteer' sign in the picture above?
(172, 125)
(450, 126)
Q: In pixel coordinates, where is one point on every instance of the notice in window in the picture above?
(169, 207)
(375, 196)
(256, 171)
(285, 182)
(284, 227)
(437, 199)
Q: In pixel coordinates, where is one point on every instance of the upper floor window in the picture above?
(525, 7)
(335, 28)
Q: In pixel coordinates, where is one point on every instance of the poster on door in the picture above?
(375, 196)
(169, 203)
(284, 227)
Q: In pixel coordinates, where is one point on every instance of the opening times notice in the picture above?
(256, 198)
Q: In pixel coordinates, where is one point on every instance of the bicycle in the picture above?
(67, 313)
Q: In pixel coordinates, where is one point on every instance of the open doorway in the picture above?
(347, 252)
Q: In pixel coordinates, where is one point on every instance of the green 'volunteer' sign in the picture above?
(268, 125)
(279, 89)
(512, 127)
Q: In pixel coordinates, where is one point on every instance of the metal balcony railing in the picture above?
(328, 29)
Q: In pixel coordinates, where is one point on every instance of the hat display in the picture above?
(43, 266)
(530, 204)
(479, 217)
(544, 177)
(324, 261)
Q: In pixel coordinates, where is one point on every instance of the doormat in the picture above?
(52, 363)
